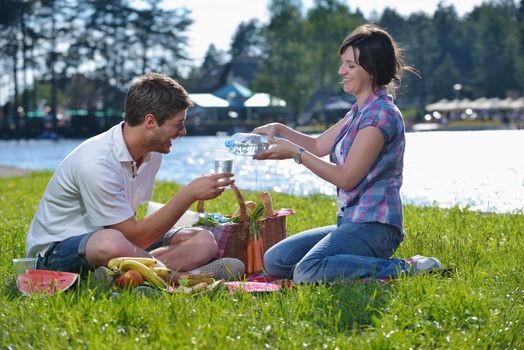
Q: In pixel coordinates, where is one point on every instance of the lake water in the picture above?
(483, 170)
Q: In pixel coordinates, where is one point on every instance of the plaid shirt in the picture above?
(377, 196)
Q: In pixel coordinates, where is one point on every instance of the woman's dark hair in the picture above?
(157, 94)
(379, 55)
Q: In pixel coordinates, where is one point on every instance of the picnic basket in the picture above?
(233, 239)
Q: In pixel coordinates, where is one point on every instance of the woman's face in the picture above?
(355, 79)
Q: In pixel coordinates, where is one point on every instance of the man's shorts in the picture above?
(70, 254)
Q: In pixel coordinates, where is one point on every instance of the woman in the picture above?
(366, 150)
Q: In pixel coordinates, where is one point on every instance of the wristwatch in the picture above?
(298, 156)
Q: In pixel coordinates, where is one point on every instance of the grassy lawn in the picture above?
(479, 306)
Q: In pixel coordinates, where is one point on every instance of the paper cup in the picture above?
(23, 264)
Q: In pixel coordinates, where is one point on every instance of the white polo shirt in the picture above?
(96, 185)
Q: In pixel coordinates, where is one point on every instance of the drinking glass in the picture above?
(23, 264)
(223, 161)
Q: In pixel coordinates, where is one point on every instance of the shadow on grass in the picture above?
(360, 303)
(340, 308)
(10, 289)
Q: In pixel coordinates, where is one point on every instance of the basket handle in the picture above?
(241, 203)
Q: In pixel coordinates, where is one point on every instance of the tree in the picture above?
(13, 40)
(54, 24)
(204, 77)
(443, 77)
(212, 60)
(520, 39)
(10, 48)
(454, 47)
(395, 24)
(159, 39)
(419, 49)
(247, 40)
(496, 48)
(283, 71)
(327, 24)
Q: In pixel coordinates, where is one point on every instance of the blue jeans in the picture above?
(70, 254)
(345, 251)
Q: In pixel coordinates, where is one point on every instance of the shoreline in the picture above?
(307, 129)
(8, 171)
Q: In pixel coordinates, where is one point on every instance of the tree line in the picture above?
(479, 53)
(84, 54)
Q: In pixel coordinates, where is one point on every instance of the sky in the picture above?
(215, 21)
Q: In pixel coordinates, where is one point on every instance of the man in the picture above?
(87, 214)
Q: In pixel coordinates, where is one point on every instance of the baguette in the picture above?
(194, 279)
(265, 198)
(250, 206)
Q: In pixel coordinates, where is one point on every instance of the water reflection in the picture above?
(482, 169)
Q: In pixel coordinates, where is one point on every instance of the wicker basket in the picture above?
(272, 229)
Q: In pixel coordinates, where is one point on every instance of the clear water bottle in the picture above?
(244, 144)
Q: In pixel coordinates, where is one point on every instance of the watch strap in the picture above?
(298, 156)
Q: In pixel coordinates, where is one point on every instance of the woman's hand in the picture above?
(271, 129)
(278, 149)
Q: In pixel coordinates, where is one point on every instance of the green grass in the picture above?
(474, 123)
(479, 306)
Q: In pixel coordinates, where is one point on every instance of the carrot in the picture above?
(258, 255)
(250, 255)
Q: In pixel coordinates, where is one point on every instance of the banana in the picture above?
(151, 269)
(149, 275)
(160, 270)
(116, 262)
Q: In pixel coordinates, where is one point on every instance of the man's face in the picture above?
(171, 129)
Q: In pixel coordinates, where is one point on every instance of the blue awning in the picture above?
(233, 90)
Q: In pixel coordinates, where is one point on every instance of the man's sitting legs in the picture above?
(182, 251)
(188, 249)
(82, 253)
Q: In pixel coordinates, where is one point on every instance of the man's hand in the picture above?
(209, 186)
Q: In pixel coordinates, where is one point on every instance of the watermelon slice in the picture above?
(251, 287)
(45, 282)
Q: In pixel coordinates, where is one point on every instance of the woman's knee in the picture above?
(306, 271)
(272, 262)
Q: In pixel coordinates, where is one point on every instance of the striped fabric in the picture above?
(377, 197)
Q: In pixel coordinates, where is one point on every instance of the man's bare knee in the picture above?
(106, 244)
(199, 238)
(208, 240)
